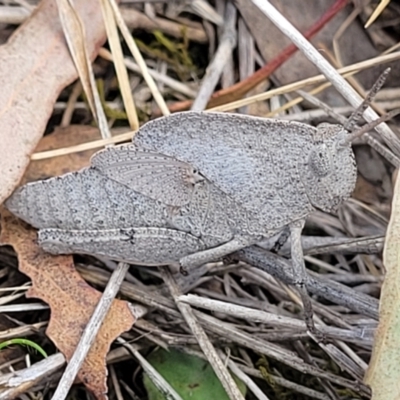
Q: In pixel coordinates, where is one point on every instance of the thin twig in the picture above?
(219, 60)
(165, 388)
(372, 62)
(239, 89)
(218, 366)
(74, 32)
(90, 332)
(16, 383)
(331, 74)
(139, 59)
(120, 69)
(168, 81)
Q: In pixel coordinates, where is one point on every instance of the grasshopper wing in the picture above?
(152, 174)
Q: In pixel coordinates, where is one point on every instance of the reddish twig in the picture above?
(238, 90)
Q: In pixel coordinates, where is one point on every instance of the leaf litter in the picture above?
(35, 67)
(71, 300)
(355, 269)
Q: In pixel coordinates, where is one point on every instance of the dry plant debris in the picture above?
(55, 280)
(247, 311)
(62, 137)
(36, 66)
(71, 300)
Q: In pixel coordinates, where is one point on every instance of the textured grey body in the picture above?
(191, 188)
(195, 187)
(86, 212)
(264, 164)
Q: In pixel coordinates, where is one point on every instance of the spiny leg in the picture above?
(202, 257)
(300, 273)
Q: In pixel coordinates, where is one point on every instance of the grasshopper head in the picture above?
(329, 169)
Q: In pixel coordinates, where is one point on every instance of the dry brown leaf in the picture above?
(71, 300)
(36, 65)
(383, 373)
(373, 168)
(365, 191)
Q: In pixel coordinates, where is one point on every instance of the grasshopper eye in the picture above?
(194, 176)
(320, 161)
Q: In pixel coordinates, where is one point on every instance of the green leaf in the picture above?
(23, 342)
(191, 377)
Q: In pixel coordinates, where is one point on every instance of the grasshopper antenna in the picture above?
(371, 125)
(357, 114)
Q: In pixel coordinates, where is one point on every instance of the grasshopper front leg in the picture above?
(300, 273)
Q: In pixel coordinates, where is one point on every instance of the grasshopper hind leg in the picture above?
(143, 246)
(216, 253)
